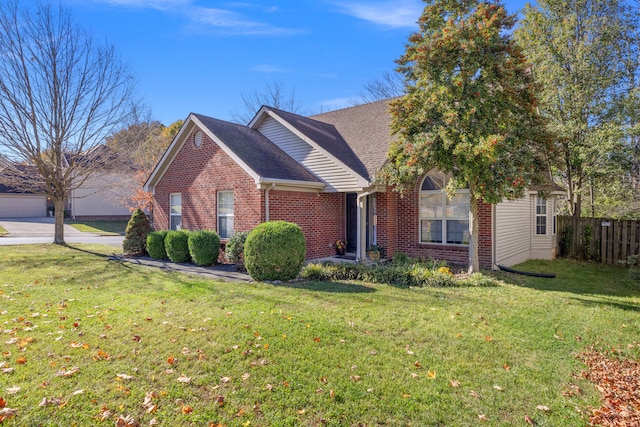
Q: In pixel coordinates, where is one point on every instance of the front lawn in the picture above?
(88, 340)
(101, 227)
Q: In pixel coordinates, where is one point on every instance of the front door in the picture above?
(351, 216)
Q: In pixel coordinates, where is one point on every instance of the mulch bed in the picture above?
(619, 383)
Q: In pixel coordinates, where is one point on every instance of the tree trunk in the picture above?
(58, 235)
(474, 260)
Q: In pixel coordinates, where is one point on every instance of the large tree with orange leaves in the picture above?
(469, 109)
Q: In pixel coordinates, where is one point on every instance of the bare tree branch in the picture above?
(273, 95)
(60, 95)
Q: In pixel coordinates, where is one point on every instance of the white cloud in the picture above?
(225, 21)
(231, 22)
(150, 4)
(268, 68)
(392, 14)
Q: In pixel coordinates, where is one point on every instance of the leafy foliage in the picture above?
(204, 247)
(585, 61)
(176, 243)
(155, 244)
(135, 235)
(404, 273)
(234, 250)
(466, 112)
(275, 250)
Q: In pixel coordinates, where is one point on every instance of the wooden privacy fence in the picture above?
(599, 239)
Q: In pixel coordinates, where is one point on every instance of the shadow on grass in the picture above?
(578, 277)
(614, 304)
(329, 286)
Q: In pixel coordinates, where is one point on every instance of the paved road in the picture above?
(26, 231)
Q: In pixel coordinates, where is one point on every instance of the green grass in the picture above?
(307, 354)
(104, 228)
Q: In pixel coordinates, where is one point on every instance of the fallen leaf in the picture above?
(245, 376)
(355, 378)
(483, 417)
(225, 380)
(454, 383)
(186, 409)
(431, 374)
(21, 361)
(124, 377)
(68, 373)
(184, 379)
(474, 394)
(12, 390)
(543, 408)
(497, 387)
(529, 420)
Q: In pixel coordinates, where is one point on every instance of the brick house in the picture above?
(319, 172)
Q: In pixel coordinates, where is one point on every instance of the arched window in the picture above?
(443, 220)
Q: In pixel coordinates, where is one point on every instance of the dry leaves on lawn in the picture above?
(619, 383)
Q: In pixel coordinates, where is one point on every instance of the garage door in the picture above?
(23, 206)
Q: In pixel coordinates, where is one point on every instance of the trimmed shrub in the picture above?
(204, 247)
(155, 244)
(275, 250)
(234, 250)
(176, 243)
(135, 235)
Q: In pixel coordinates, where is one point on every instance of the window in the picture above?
(175, 211)
(443, 220)
(541, 215)
(225, 214)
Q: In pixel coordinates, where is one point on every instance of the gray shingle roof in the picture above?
(256, 151)
(365, 128)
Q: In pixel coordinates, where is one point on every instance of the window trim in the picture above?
(220, 215)
(445, 201)
(541, 202)
(173, 215)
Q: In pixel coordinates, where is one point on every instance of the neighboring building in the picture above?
(104, 195)
(319, 172)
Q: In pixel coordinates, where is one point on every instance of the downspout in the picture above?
(266, 201)
(359, 249)
(494, 237)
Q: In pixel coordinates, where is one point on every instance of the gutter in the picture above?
(266, 201)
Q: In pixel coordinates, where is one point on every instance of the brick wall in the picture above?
(321, 217)
(199, 172)
(407, 234)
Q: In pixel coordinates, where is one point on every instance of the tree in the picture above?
(585, 74)
(60, 94)
(390, 85)
(141, 142)
(273, 95)
(469, 109)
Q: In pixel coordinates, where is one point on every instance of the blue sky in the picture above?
(200, 56)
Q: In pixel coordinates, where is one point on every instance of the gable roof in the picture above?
(256, 154)
(365, 128)
(327, 137)
(255, 150)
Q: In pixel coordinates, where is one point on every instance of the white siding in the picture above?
(22, 206)
(103, 196)
(333, 174)
(513, 231)
(543, 245)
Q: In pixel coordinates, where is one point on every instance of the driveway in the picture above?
(25, 231)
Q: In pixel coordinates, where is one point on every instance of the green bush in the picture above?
(234, 250)
(135, 235)
(204, 247)
(155, 244)
(176, 243)
(405, 274)
(275, 250)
